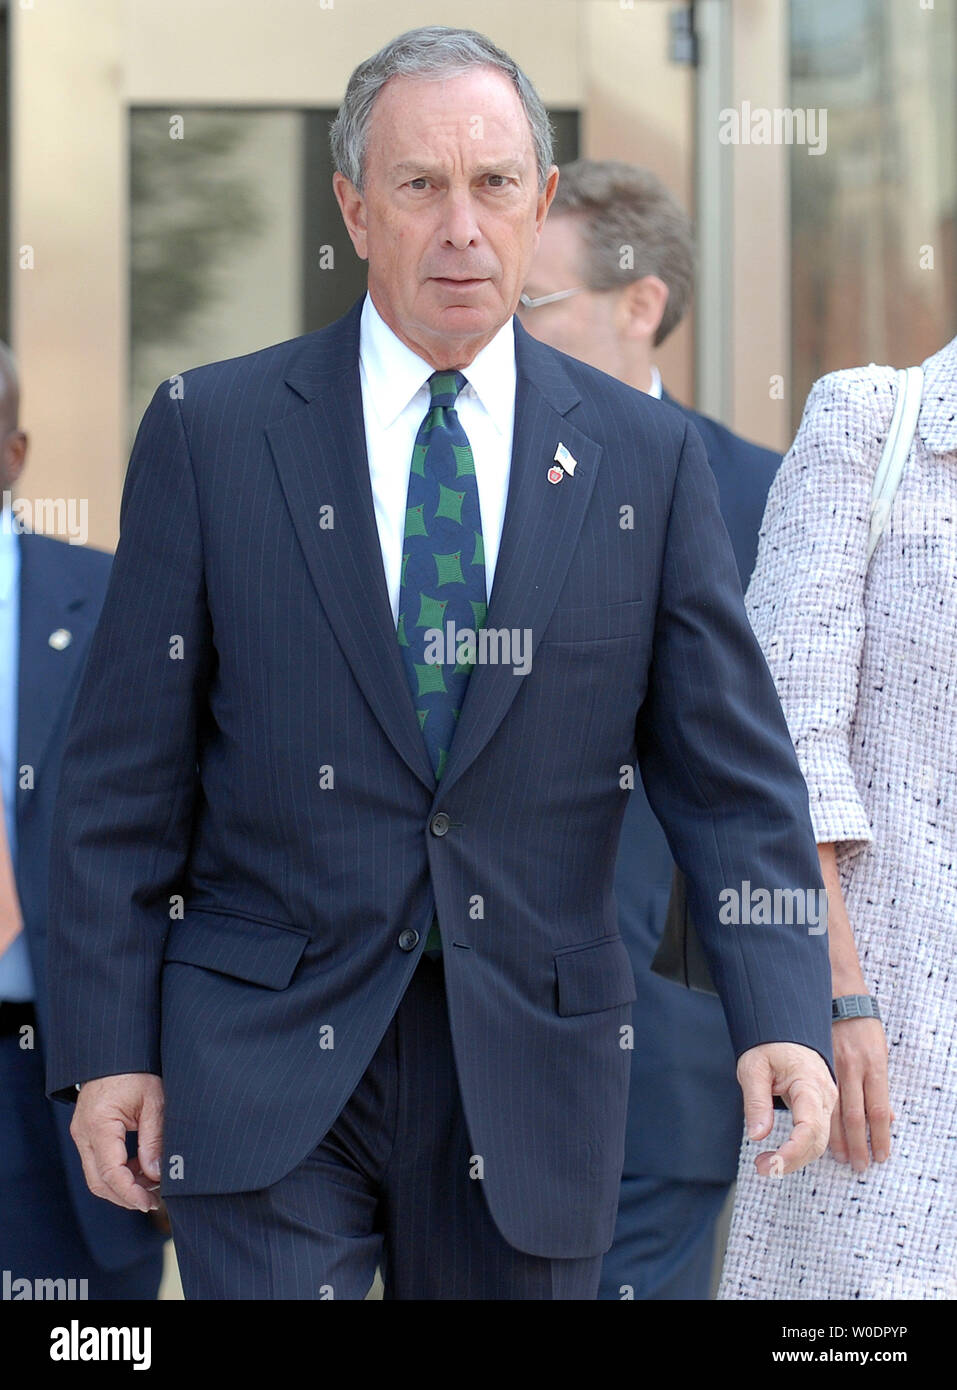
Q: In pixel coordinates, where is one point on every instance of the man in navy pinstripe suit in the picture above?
(333, 921)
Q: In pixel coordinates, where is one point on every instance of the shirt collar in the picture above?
(395, 373)
(655, 388)
(9, 553)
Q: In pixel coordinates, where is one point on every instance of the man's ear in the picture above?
(545, 198)
(14, 458)
(353, 208)
(642, 307)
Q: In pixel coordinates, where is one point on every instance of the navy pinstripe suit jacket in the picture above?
(246, 655)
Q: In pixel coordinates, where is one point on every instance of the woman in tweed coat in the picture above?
(865, 662)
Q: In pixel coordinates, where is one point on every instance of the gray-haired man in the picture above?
(388, 1021)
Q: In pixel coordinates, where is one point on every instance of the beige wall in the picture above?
(760, 270)
(639, 107)
(68, 208)
(78, 67)
(292, 52)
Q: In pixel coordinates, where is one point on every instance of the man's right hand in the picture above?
(106, 1108)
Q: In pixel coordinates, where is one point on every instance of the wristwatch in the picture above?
(854, 1006)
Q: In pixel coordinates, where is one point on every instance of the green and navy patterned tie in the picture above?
(443, 570)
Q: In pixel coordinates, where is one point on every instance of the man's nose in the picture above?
(460, 224)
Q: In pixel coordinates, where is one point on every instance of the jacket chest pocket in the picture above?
(597, 623)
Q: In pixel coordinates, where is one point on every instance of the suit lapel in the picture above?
(320, 455)
(539, 535)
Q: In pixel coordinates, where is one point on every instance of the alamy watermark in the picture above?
(774, 907)
(780, 125)
(18, 1290)
(76, 1343)
(489, 646)
(47, 515)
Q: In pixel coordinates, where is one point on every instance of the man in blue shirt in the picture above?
(51, 1227)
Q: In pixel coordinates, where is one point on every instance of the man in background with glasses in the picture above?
(611, 280)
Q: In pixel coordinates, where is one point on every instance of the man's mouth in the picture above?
(457, 284)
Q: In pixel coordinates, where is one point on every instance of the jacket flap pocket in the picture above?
(264, 953)
(596, 975)
(597, 623)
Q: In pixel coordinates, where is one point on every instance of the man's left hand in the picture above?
(801, 1076)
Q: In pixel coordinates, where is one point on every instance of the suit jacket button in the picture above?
(408, 939)
(439, 823)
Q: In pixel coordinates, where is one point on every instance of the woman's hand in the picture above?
(860, 1045)
(863, 1101)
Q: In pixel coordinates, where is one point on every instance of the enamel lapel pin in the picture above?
(568, 463)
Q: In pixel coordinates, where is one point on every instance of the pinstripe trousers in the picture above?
(394, 1184)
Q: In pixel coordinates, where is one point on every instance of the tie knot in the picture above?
(445, 387)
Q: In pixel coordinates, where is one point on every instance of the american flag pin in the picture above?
(555, 475)
(566, 460)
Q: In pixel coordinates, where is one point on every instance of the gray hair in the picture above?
(623, 206)
(434, 51)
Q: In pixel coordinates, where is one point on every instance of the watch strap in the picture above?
(854, 1006)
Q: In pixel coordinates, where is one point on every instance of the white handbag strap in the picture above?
(900, 436)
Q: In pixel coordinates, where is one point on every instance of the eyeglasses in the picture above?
(528, 303)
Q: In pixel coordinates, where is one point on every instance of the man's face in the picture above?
(586, 325)
(451, 212)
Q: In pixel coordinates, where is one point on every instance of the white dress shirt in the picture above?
(395, 399)
(655, 388)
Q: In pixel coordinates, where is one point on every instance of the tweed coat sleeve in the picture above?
(806, 596)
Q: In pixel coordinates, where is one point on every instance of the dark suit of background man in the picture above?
(684, 1106)
(51, 1227)
(269, 731)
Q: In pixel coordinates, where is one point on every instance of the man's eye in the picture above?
(420, 182)
(501, 177)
